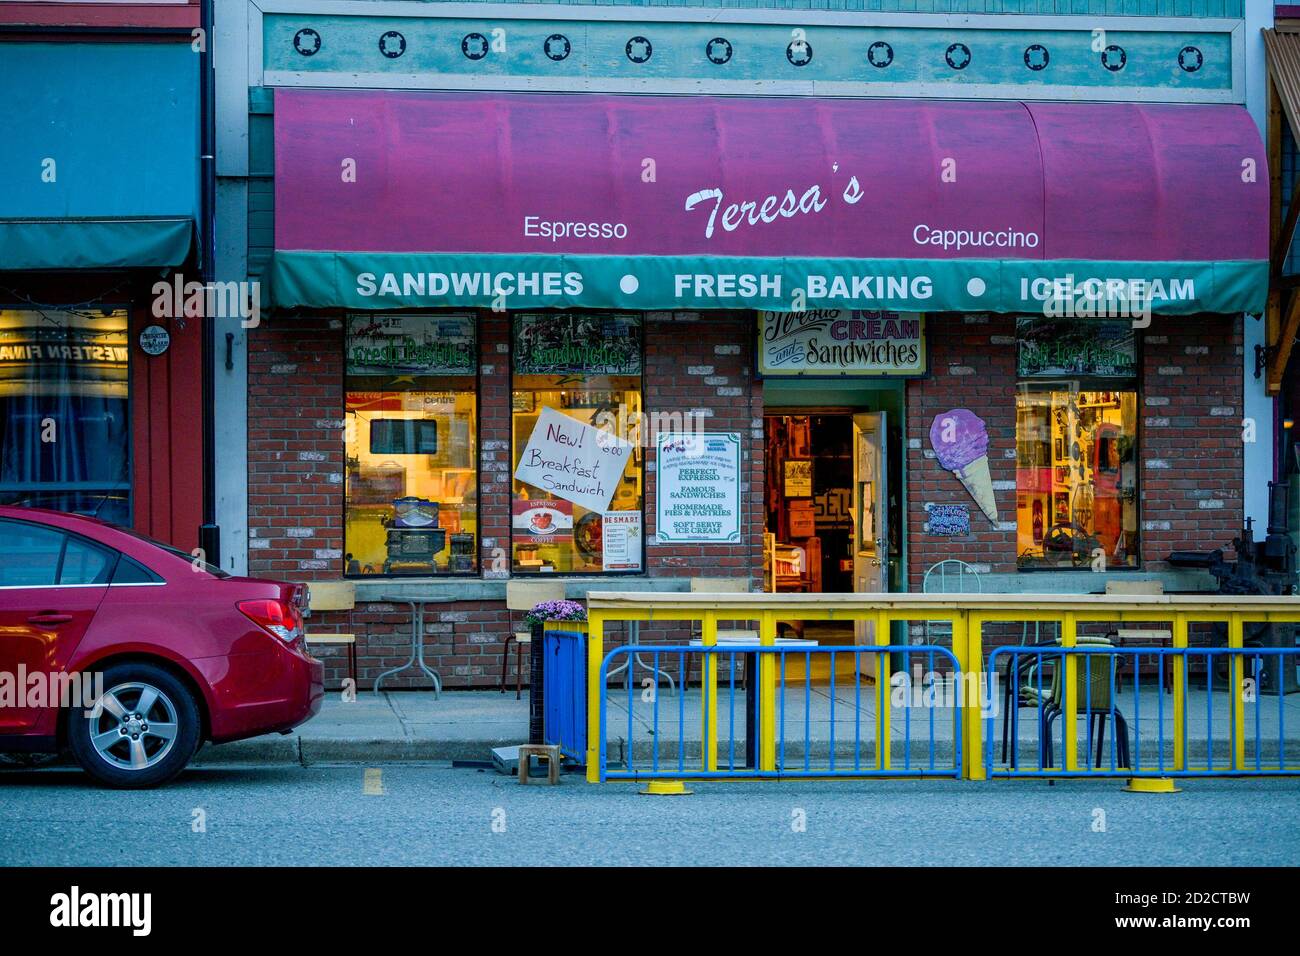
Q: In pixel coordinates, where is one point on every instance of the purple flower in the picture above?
(556, 611)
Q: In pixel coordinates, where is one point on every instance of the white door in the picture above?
(870, 510)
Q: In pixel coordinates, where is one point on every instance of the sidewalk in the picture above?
(396, 726)
(467, 725)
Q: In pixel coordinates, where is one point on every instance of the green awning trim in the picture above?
(374, 280)
(39, 244)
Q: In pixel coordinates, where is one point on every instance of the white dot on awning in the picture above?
(975, 286)
(629, 284)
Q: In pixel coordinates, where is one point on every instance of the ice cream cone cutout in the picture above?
(961, 443)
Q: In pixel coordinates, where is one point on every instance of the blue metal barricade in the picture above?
(1218, 721)
(564, 681)
(828, 725)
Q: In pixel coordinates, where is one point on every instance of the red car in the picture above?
(131, 653)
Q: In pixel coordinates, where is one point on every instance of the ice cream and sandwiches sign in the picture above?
(569, 459)
(833, 342)
(961, 444)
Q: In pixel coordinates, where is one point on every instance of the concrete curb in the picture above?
(351, 750)
(306, 751)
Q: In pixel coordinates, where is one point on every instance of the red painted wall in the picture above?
(167, 431)
(110, 16)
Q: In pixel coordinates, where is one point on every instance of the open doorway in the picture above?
(827, 521)
(809, 503)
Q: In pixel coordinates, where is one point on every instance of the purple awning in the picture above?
(469, 172)
(421, 199)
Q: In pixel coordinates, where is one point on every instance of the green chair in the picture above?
(1096, 675)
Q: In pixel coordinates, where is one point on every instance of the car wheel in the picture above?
(141, 733)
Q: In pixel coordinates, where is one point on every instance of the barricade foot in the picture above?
(665, 788)
(1151, 785)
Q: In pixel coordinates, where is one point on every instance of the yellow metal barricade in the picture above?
(972, 680)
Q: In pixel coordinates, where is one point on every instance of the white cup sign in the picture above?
(572, 460)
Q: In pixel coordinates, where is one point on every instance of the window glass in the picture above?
(64, 417)
(29, 555)
(132, 572)
(85, 563)
(576, 417)
(412, 436)
(1076, 446)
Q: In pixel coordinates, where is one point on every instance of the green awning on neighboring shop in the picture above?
(41, 244)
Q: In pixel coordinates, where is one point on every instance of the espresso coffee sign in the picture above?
(841, 342)
(569, 459)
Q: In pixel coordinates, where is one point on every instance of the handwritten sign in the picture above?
(699, 487)
(834, 342)
(572, 460)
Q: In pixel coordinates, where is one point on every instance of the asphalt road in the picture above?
(425, 814)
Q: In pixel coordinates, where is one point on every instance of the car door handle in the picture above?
(49, 618)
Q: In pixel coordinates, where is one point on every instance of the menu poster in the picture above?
(699, 487)
(798, 478)
(621, 540)
(570, 459)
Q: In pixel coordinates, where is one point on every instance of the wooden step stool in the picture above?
(548, 752)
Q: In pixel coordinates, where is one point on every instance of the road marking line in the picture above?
(373, 785)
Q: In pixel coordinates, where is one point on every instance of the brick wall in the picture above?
(1190, 390)
(973, 365)
(1190, 440)
(1191, 481)
(703, 366)
(296, 462)
(295, 448)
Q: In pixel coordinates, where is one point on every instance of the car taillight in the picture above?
(279, 617)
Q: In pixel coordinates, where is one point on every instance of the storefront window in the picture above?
(576, 503)
(1076, 445)
(411, 432)
(64, 412)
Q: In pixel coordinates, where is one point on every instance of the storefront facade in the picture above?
(828, 303)
(100, 409)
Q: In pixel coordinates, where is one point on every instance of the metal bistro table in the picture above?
(417, 639)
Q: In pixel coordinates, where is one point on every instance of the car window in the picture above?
(197, 563)
(132, 572)
(29, 555)
(86, 563)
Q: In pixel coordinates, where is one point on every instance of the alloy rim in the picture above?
(133, 726)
